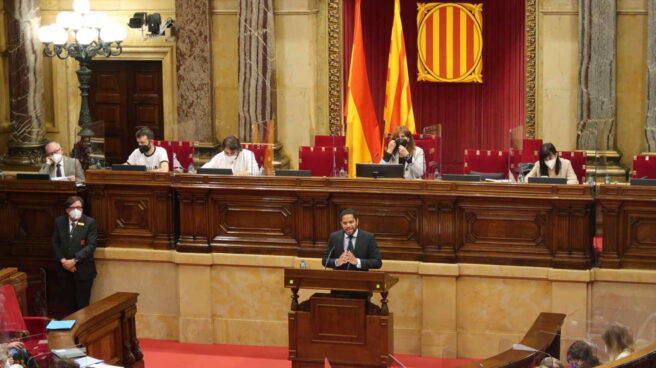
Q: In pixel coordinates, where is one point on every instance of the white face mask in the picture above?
(75, 214)
(551, 163)
(56, 157)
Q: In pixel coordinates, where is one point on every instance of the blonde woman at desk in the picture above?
(233, 156)
(553, 166)
(402, 150)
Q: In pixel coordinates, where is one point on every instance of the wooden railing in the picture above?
(542, 339)
(107, 329)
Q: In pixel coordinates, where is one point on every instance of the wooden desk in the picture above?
(629, 226)
(107, 329)
(434, 221)
(544, 335)
(28, 209)
(132, 209)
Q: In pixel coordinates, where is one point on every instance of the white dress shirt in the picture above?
(346, 241)
(244, 160)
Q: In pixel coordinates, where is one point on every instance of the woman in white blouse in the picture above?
(402, 150)
(618, 340)
(233, 156)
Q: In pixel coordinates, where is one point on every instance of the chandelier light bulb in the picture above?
(106, 34)
(44, 34)
(64, 19)
(86, 35)
(58, 35)
(74, 21)
(119, 32)
(81, 6)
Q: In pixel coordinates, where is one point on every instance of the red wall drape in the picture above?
(472, 115)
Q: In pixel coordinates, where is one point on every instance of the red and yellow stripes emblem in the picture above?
(450, 42)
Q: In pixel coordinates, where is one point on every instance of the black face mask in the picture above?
(143, 148)
(401, 142)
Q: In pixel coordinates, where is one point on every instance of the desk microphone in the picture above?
(328, 258)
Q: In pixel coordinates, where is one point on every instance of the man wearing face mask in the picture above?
(402, 150)
(60, 167)
(553, 166)
(154, 158)
(73, 244)
(233, 156)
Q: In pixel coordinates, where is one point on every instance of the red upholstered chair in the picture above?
(530, 150)
(579, 161)
(30, 330)
(258, 149)
(181, 154)
(329, 140)
(486, 161)
(644, 165)
(319, 160)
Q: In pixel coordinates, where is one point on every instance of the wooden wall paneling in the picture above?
(393, 219)
(253, 222)
(639, 234)
(135, 208)
(506, 231)
(195, 218)
(312, 223)
(610, 257)
(438, 225)
(572, 234)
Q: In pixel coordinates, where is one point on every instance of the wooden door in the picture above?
(126, 95)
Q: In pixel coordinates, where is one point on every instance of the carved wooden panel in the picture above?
(395, 221)
(342, 323)
(253, 221)
(106, 342)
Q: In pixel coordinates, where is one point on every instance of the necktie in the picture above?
(350, 246)
(73, 225)
(59, 173)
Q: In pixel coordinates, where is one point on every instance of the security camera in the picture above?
(151, 22)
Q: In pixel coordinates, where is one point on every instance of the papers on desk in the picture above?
(70, 352)
(87, 361)
(103, 365)
(66, 324)
(62, 178)
(498, 180)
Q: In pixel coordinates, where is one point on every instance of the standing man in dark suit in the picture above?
(352, 248)
(73, 243)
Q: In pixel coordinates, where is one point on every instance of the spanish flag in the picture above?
(398, 100)
(363, 137)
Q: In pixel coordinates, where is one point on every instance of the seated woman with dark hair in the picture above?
(402, 150)
(233, 156)
(553, 166)
(618, 340)
(580, 355)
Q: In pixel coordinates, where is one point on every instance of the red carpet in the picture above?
(171, 354)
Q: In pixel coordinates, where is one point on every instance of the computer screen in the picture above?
(379, 171)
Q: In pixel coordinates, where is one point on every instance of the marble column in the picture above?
(597, 54)
(25, 147)
(194, 70)
(650, 120)
(257, 77)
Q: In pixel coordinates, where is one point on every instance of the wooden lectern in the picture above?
(349, 332)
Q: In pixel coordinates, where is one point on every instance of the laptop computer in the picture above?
(541, 180)
(460, 177)
(209, 171)
(32, 176)
(121, 167)
(293, 173)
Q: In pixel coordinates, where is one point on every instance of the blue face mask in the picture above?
(572, 365)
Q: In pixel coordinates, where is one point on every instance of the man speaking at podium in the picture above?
(352, 248)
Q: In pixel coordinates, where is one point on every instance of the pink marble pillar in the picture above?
(25, 147)
(194, 70)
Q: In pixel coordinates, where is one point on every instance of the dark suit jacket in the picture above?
(366, 250)
(81, 245)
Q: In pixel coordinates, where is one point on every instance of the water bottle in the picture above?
(607, 180)
(520, 179)
(342, 173)
(191, 169)
(303, 264)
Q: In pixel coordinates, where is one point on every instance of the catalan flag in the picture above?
(450, 42)
(363, 137)
(398, 99)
